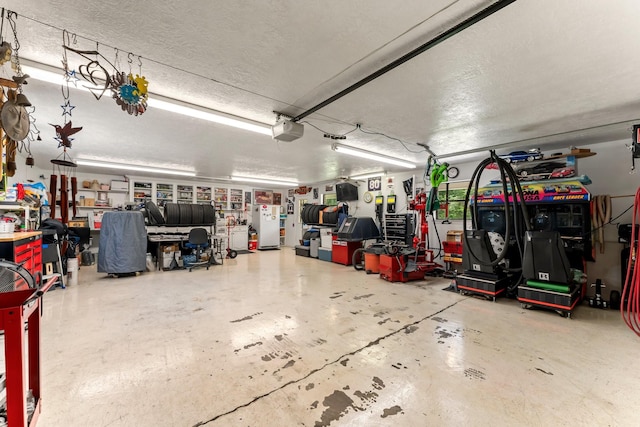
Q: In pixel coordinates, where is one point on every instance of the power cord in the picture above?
(630, 307)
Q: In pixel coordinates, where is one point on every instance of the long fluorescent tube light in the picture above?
(372, 156)
(265, 181)
(134, 168)
(367, 176)
(156, 101)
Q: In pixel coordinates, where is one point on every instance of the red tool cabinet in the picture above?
(22, 362)
(23, 248)
(342, 251)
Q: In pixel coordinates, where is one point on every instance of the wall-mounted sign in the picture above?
(374, 183)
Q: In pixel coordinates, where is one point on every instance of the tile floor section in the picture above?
(272, 339)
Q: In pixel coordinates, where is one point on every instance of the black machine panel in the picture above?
(478, 243)
(545, 258)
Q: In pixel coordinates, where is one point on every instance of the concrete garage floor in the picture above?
(274, 339)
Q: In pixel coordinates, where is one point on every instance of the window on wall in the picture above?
(330, 199)
(457, 191)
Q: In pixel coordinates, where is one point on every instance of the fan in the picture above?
(14, 276)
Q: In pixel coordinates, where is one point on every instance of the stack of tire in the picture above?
(319, 214)
(311, 213)
(181, 214)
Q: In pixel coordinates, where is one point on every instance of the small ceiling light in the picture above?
(265, 181)
(134, 168)
(372, 156)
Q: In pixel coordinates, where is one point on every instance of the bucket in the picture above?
(72, 271)
(6, 227)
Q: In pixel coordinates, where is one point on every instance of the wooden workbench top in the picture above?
(19, 235)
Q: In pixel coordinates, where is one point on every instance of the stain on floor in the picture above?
(387, 412)
(245, 318)
(337, 404)
(474, 374)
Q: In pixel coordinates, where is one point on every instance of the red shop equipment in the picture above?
(16, 308)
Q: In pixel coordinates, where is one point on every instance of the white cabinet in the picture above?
(142, 191)
(164, 194)
(235, 199)
(185, 194)
(203, 195)
(239, 238)
(221, 198)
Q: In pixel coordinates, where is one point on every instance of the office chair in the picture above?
(198, 239)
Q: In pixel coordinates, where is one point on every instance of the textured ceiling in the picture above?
(541, 72)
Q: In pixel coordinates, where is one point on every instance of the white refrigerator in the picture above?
(266, 221)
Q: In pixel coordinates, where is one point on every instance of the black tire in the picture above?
(231, 253)
(208, 215)
(155, 216)
(306, 213)
(358, 259)
(171, 214)
(316, 214)
(185, 214)
(197, 214)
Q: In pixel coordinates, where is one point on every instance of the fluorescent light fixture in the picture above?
(133, 168)
(53, 75)
(367, 176)
(372, 156)
(216, 117)
(265, 181)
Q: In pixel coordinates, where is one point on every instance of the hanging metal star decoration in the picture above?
(64, 132)
(72, 77)
(67, 108)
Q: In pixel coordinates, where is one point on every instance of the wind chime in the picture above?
(64, 165)
(16, 120)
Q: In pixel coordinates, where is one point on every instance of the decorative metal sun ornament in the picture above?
(130, 93)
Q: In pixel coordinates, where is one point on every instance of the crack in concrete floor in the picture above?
(313, 371)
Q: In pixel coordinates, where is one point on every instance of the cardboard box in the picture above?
(89, 201)
(454, 236)
(79, 223)
(174, 247)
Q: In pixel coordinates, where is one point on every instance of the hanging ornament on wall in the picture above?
(63, 134)
(130, 92)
